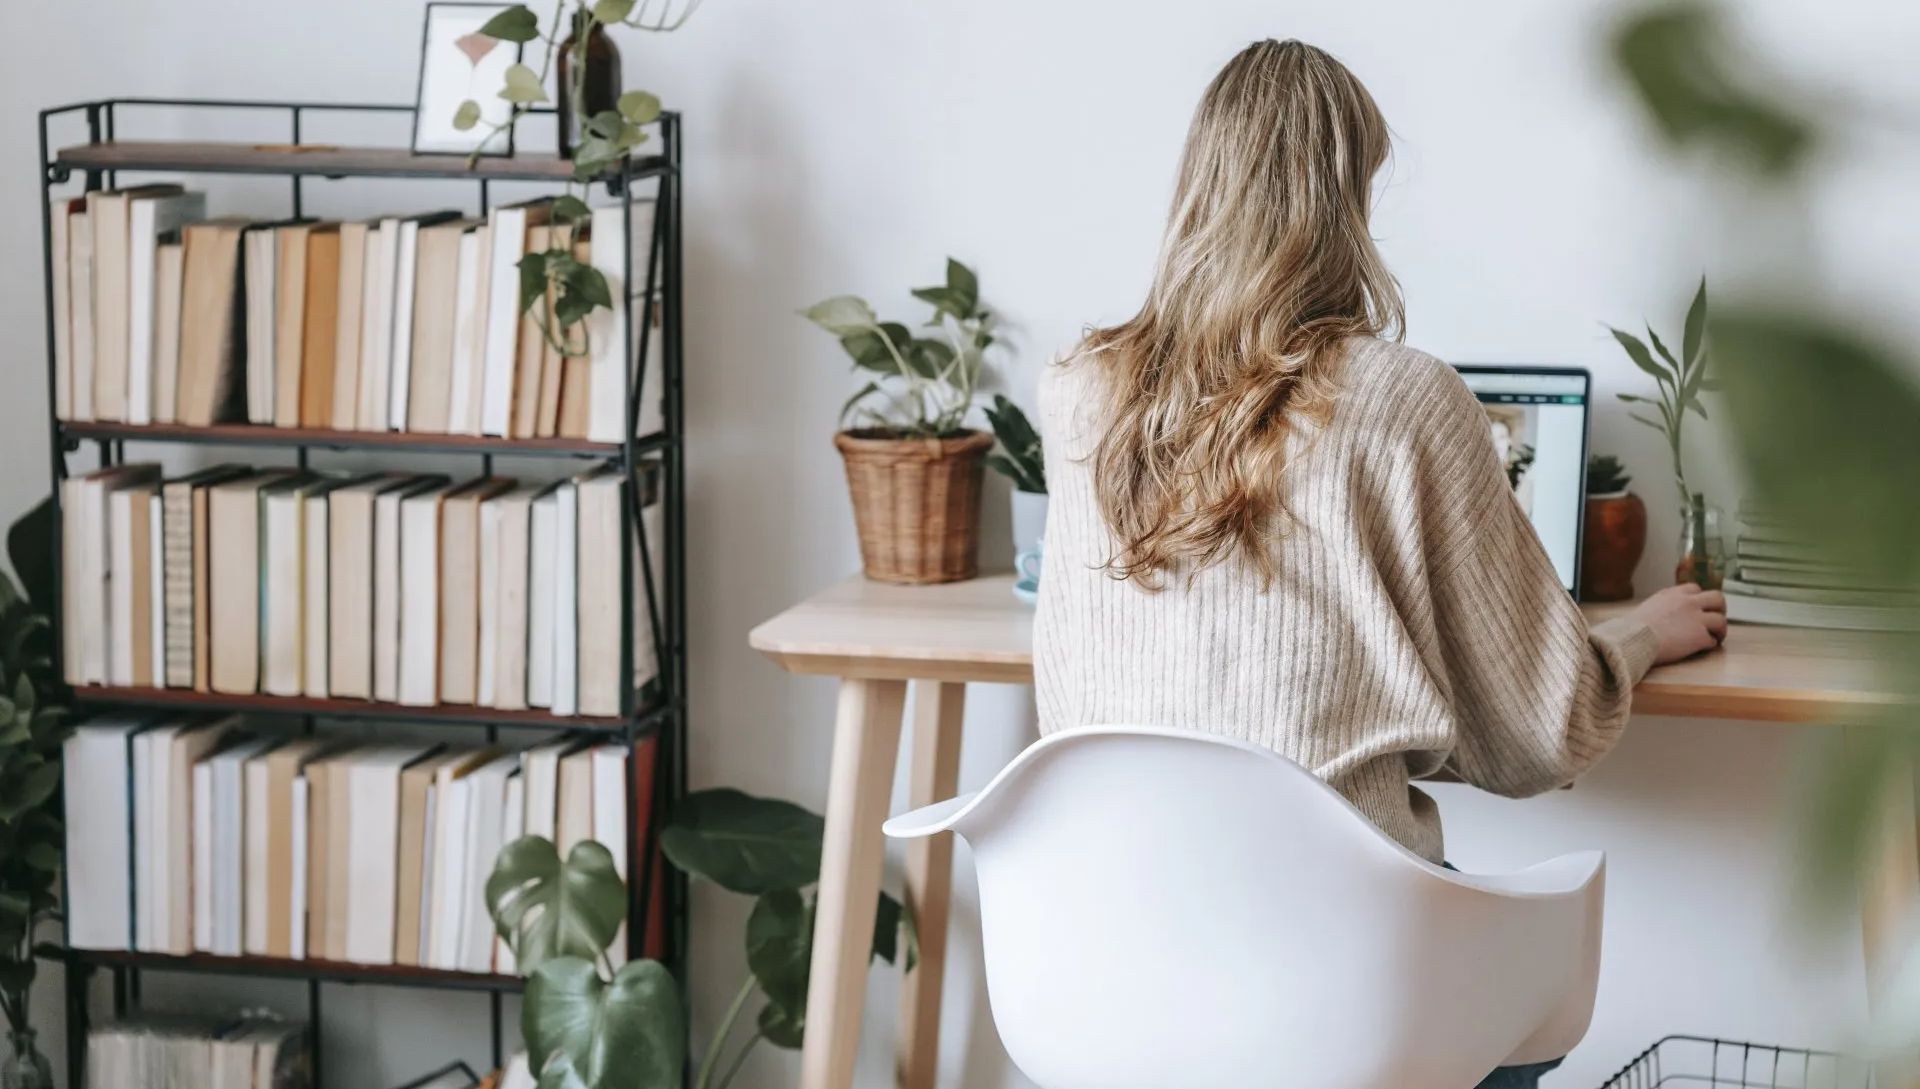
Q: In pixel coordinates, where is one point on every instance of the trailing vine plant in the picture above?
(568, 289)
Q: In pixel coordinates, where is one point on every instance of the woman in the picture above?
(1270, 521)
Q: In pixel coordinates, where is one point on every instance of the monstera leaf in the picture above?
(546, 908)
(583, 1032)
(745, 844)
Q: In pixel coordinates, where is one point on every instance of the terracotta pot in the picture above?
(1616, 536)
(916, 503)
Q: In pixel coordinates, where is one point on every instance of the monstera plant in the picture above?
(588, 1025)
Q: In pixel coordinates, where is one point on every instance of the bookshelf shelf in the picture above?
(321, 438)
(94, 145)
(326, 971)
(319, 161)
(450, 714)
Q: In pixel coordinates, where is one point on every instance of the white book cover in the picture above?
(282, 582)
(229, 847)
(376, 349)
(145, 937)
(428, 848)
(386, 594)
(610, 821)
(566, 628)
(155, 873)
(512, 828)
(147, 220)
(542, 560)
(157, 586)
(540, 769)
(120, 586)
(96, 765)
(400, 359)
(490, 514)
(450, 874)
(487, 805)
(374, 836)
(203, 857)
(611, 361)
(469, 333)
(262, 260)
(59, 217)
(300, 847)
(253, 863)
(419, 657)
(80, 300)
(507, 238)
(314, 605)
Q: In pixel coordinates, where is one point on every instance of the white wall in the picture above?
(850, 146)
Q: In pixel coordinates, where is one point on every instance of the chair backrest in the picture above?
(1163, 909)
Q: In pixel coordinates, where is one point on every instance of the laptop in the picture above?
(1538, 416)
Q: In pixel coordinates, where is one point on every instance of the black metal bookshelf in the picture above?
(655, 711)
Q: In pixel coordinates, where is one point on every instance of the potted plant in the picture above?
(913, 466)
(1680, 382)
(1017, 456)
(1616, 533)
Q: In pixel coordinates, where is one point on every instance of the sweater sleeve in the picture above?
(1538, 695)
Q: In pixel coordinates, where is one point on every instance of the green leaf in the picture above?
(928, 357)
(627, 1034)
(1693, 339)
(607, 125)
(745, 844)
(15, 729)
(1637, 352)
(944, 301)
(639, 107)
(613, 11)
(44, 857)
(780, 949)
(571, 209)
(859, 395)
(30, 547)
(546, 909)
(841, 315)
(1655, 424)
(467, 116)
(964, 285)
(36, 788)
(1662, 349)
(560, 1074)
(523, 86)
(533, 280)
(870, 352)
(590, 284)
(783, 1027)
(886, 928)
(516, 24)
(570, 310)
(23, 701)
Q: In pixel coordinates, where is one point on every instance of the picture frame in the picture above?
(458, 63)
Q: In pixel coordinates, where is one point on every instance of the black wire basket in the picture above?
(1698, 1060)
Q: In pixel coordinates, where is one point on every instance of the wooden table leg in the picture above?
(937, 711)
(866, 742)
(1891, 883)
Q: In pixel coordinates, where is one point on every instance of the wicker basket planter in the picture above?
(916, 503)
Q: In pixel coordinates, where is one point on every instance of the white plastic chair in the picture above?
(1169, 910)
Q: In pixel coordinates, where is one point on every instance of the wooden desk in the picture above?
(879, 638)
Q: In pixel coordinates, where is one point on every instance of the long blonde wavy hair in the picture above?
(1267, 265)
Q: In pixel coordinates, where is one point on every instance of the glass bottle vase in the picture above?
(25, 1067)
(1703, 551)
(597, 81)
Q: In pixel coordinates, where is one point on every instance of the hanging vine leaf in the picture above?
(516, 24)
(639, 107)
(467, 116)
(523, 86)
(613, 11)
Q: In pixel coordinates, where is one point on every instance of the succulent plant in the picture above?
(1605, 475)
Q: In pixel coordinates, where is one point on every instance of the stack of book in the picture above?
(403, 323)
(191, 835)
(230, 1053)
(406, 589)
(1783, 577)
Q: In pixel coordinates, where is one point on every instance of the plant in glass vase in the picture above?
(1680, 382)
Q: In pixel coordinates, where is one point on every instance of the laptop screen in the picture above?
(1538, 416)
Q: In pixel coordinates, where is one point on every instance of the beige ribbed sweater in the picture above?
(1415, 620)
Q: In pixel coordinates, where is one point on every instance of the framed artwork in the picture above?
(457, 64)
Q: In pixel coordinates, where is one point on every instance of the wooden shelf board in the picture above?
(452, 714)
(232, 434)
(404, 975)
(318, 160)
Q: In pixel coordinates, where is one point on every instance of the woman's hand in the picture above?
(1686, 620)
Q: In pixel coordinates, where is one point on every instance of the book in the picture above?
(156, 655)
(377, 319)
(508, 243)
(388, 580)
(374, 831)
(213, 311)
(598, 600)
(319, 349)
(109, 212)
(448, 880)
(609, 827)
(573, 810)
(87, 569)
(60, 214)
(531, 356)
(434, 325)
(414, 858)
(172, 829)
(169, 280)
(350, 314)
(419, 594)
(322, 855)
(1750, 604)
(282, 579)
(621, 258)
(277, 846)
(460, 588)
(543, 551)
(150, 218)
(469, 332)
(504, 563)
(181, 570)
(299, 858)
(486, 811)
(337, 891)
(130, 577)
(225, 922)
(234, 583)
(97, 764)
(554, 360)
(351, 584)
(405, 281)
(566, 570)
(540, 771)
(80, 302)
(512, 827)
(260, 246)
(290, 320)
